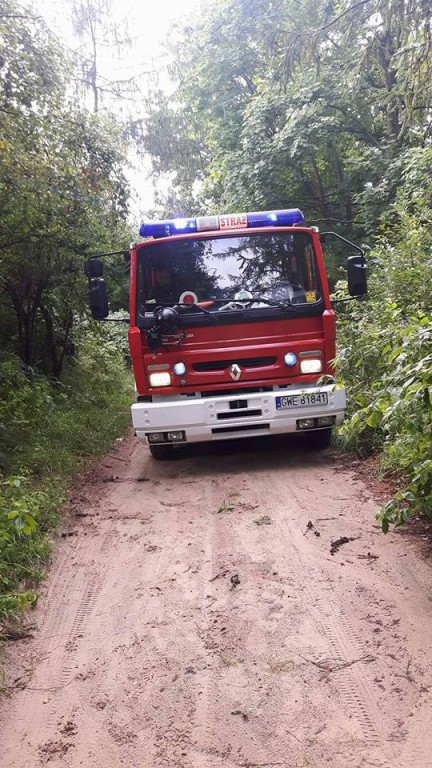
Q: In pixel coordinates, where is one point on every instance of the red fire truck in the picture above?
(232, 332)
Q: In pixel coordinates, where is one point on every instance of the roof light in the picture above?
(167, 227)
(285, 218)
(185, 224)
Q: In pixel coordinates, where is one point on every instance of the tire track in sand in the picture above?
(343, 636)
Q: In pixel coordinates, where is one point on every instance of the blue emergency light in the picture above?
(286, 218)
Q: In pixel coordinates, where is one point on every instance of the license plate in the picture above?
(298, 401)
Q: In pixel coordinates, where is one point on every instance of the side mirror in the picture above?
(357, 275)
(93, 268)
(98, 299)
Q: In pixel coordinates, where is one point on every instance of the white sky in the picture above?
(148, 25)
(148, 22)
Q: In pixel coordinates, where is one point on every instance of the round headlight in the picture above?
(290, 359)
(179, 369)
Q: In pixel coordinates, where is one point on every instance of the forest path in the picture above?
(192, 619)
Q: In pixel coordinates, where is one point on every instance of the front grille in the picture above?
(246, 362)
(237, 391)
(242, 428)
(239, 414)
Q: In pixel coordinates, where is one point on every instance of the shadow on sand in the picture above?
(245, 455)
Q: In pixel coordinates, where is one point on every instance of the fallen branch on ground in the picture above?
(327, 666)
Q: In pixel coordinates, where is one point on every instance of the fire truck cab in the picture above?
(232, 332)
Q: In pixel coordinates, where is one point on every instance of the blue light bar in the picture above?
(167, 227)
(285, 218)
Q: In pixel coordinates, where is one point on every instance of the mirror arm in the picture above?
(115, 320)
(324, 235)
(360, 297)
(126, 254)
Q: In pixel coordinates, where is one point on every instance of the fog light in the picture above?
(176, 437)
(311, 366)
(290, 359)
(325, 421)
(160, 379)
(306, 423)
(156, 437)
(180, 369)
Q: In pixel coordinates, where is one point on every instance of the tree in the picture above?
(93, 23)
(63, 191)
(312, 110)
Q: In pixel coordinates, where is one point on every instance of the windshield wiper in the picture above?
(245, 304)
(196, 306)
(285, 305)
(242, 305)
(153, 303)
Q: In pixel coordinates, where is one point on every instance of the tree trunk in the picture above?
(322, 197)
(56, 346)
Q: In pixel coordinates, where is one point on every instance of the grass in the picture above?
(234, 502)
(227, 662)
(225, 508)
(280, 667)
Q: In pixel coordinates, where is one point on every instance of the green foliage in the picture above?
(63, 193)
(48, 431)
(22, 548)
(49, 427)
(295, 102)
(386, 361)
(64, 382)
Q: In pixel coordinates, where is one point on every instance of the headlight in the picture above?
(160, 379)
(311, 366)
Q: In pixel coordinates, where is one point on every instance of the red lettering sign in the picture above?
(234, 221)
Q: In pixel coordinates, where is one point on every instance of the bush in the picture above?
(48, 430)
(23, 549)
(386, 361)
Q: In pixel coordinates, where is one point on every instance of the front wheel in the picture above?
(318, 439)
(162, 452)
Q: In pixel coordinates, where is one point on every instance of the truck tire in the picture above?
(162, 452)
(318, 439)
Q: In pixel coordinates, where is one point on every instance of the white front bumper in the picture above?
(211, 418)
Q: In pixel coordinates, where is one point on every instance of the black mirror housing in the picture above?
(93, 268)
(357, 275)
(168, 320)
(98, 299)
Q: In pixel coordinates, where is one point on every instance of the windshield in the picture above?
(249, 272)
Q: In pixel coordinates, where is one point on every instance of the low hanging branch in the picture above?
(341, 15)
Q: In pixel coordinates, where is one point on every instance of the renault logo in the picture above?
(235, 372)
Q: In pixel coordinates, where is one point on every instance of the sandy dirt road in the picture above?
(191, 618)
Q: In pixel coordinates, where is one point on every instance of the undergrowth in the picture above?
(386, 362)
(49, 430)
